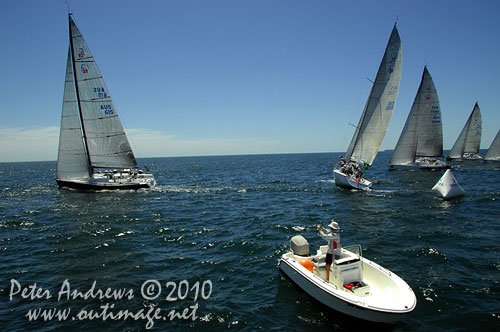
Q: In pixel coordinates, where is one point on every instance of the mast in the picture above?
(91, 169)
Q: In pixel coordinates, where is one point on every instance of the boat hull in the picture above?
(101, 185)
(465, 157)
(345, 181)
(330, 296)
(419, 167)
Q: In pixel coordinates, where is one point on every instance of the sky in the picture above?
(219, 77)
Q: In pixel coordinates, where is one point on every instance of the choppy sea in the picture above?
(200, 250)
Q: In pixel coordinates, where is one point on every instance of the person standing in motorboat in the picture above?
(333, 237)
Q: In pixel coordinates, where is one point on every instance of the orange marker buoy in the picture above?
(307, 264)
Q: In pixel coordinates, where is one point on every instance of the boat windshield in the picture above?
(354, 249)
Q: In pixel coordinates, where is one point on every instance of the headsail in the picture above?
(72, 161)
(380, 105)
(470, 137)
(494, 150)
(422, 135)
(106, 142)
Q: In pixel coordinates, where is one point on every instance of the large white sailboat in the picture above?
(493, 153)
(374, 120)
(94, 152)
(421, 140)
(467, 145)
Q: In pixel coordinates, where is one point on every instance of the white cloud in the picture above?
(40, 143)
(151, 143)
(28, 144)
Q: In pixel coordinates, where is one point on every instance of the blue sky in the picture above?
(202, 77)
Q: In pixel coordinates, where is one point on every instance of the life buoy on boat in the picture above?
(307, 264)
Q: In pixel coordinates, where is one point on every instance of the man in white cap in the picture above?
(332, 236)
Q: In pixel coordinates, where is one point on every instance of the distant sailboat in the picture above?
(91, 135)
(493, 153)
(421, 140)
(467, 145)
(375, 119)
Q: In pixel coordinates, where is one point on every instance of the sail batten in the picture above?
(380, 105)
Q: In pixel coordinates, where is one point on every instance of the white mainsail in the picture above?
(380, 105)
(72, 161)
(422, 135)
(470, 137)
(494, 150)
(105, 139)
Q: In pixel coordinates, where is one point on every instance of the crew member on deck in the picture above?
(332, 236)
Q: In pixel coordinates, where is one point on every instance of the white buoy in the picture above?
(448, 187)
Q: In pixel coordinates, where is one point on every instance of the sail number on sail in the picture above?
(108, 110)
(101, 93)
(390, 106)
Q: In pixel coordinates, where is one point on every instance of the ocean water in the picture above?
(200, 250)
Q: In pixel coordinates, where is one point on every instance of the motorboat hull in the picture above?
(346, 181)
(361, 307)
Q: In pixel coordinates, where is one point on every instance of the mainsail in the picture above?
(72, 160)
(470, 137)
(494, 150)
(105, 140)
(380, 105)
(422, 135)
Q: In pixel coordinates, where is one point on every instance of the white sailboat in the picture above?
(493, 153)
(421, 140)
(467, 145)
(94, 152)
(374, 120)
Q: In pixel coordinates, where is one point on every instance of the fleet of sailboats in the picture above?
(421, 140)
(94, 152)
(374, 120)
(467, 145)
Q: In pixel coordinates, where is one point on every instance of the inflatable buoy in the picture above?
(307, 264)
(448, 187)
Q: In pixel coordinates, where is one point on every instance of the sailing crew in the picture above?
(341, 162)
(332, 236)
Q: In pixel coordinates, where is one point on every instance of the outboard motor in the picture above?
(299, 245)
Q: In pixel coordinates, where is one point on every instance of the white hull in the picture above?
(110, 181)
(466, 157)
(387, 298)
(421, 166)
(346, 181)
